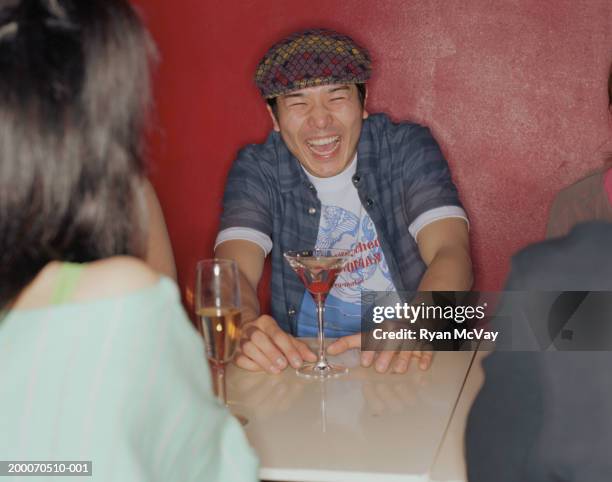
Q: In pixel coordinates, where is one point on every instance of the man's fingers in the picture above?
(426, 358)
(284, 342)
(268, 325)
(383, 360)
(246, 363)
(367, 357)
(268, 346)
(402, 361)
(305, 352)
(251, 350)
(344, 343)
(269, 349)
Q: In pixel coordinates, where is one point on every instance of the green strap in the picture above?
(67, 280)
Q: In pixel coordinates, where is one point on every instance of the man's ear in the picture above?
(365, 111)
(273, 117)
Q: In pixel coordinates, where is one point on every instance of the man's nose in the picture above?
(320, 117)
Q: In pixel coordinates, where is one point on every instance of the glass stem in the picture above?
(221, 391)
(322, 363)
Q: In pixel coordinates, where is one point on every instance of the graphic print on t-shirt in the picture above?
(366, 270)
(336, 224)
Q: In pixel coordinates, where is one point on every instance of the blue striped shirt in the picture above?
(401, 174)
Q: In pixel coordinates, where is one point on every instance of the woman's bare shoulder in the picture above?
(114, 276)
(101, 279)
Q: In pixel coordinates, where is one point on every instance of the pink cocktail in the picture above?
(318, 270)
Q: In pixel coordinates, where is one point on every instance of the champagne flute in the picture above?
(217, 304)
(318, 270)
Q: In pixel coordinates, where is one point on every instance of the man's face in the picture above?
(321, 126)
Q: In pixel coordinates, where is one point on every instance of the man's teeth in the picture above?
(323, 141)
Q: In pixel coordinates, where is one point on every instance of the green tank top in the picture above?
(67, 279)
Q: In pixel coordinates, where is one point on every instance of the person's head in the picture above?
(315, 85)
(74, 87)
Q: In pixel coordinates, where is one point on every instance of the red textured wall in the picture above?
(514, 91)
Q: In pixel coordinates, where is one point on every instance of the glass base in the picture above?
(242, 419)
(314, 370)
(236, 411)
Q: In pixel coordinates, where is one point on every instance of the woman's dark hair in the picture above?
(74, 88)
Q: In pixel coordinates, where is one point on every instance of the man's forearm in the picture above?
(250, 302)
(450, 270)
(250, 259)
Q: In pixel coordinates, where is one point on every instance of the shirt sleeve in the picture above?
(247, 200)
(425, 173)
(246, 234)
(436, 214)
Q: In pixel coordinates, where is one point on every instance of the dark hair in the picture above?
(361, 93)
(74, 87)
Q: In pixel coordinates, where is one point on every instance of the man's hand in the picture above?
(399, 361)
(264, 346)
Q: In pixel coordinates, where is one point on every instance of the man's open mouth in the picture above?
(323, 146)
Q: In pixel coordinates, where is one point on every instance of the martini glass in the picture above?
(318, 270)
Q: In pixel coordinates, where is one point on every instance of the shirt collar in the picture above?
(333, 182)
(367, 149)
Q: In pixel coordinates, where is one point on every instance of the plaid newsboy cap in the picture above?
(311, 58)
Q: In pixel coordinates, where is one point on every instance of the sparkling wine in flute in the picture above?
(221, 331)
(318, 270)
(217, 310)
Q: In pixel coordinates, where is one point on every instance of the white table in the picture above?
(360, 427)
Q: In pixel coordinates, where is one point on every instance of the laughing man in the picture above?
(330, 175)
